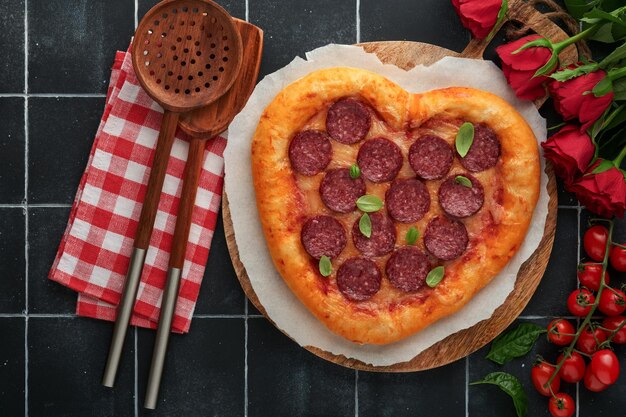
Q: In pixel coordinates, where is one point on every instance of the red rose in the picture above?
(571, 101)
(570, 152)
(603, 193)
(520, 68)
(479, 16)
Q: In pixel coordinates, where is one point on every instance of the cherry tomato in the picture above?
(588, 340)
(540, 374)
(560, 332)
(605, 366)
(594, 241)
(562, 405)
(573, 368)
(612, 302)
(589, 276)
(617, 256)
(592, 383)
(613, 323)
(580, 301)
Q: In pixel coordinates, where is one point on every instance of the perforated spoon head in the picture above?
(186, 53)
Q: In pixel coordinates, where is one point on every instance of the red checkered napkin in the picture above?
(94, 253)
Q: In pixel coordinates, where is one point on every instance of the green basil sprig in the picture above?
(355, 171)
(464, 139)
(326, 268)
(369, 203)
(464, 181)
(412, 235)
(365, 225)
(435, 276)
(514, 343)
(511, 385)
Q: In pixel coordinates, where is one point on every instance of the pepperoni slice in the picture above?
(310, 152)
(380, 160)
(484, 152)
(430, 157)
(383, 237)
(323, 235)
(458, 200)
(446, 239)
(339, 191)
(407, 268)
(407, 200)
(358, 279)
(348, 121)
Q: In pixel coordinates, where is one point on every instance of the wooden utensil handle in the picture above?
(155, 182)
(187, 200)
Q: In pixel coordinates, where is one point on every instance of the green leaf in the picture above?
(578, 8)
(511, 385)
(369, 203)
(619, 89)
(552, 63)
(326, 268)
(435, 276)
(412, 235)
(501, 15)
(603, 87)
(365, 225)
(355, 171)
(616, 118)
(604, 34)
(603, 166)
(617, 55)
(464, 138)
(464, 181)
(569, 73)
(514, 343)
(596, 15)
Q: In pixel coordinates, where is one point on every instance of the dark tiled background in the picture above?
(233, 362)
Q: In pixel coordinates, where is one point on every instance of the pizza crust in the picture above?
(284, 207)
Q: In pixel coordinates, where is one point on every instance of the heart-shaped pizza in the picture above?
(385, 211)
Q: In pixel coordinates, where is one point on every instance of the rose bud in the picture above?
(603, 192)
(573, 98)
(570, 152)
(519, 68)
(479, 16)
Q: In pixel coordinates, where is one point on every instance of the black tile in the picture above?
(61, 132)
(413, 394)
(421, 21)
(286, 380)
(204, 370)
(12, 29)
(12, 367)
(72, 45)
(66, 358)
(12, 264)
(45, 228)
(11, 150)
(237, 8)
(560, 276)
(220, 292)
(293, 27)
(609, 401)
(488, 400)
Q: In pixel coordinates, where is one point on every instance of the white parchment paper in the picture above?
(281, 304)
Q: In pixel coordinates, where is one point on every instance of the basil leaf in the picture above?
(464, 139)
(603, 166)
(464, 181)
(435, 276)
(326, 268)
(412, 235)
(355, 171)
(511, 385)
(514, 343)
(369, 203)
(365, 225)
(501, 15)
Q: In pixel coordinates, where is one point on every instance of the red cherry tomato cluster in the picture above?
(602, 368)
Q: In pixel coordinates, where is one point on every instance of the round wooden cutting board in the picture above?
(458, 345)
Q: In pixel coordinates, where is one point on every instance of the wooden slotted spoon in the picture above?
(186, 54)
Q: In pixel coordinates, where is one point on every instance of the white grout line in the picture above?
(26, 141)
(52, 95)
(136, 379)
(356, 393)
(136, 13)
(568, 207)
(467, 386)
(245, 358)
(358, 21)
(44, 205)
(247, 15)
